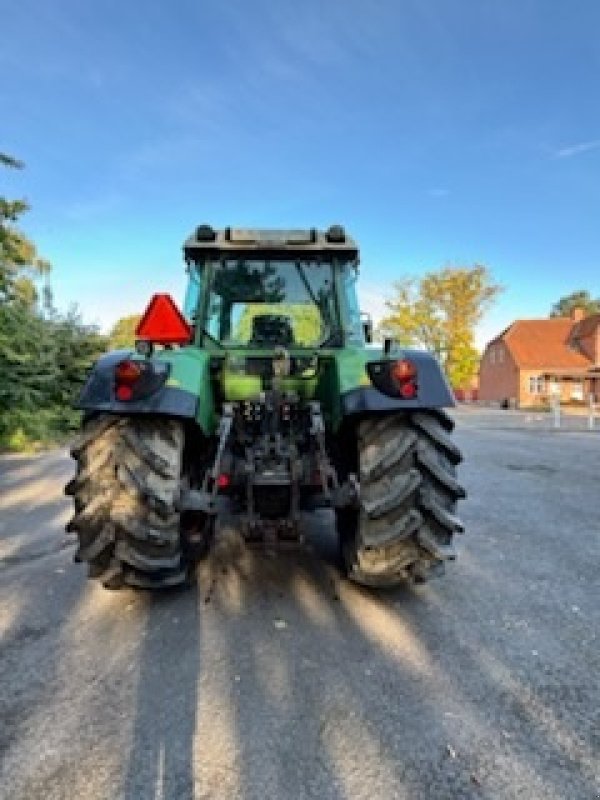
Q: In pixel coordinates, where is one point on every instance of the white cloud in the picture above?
(577, 149)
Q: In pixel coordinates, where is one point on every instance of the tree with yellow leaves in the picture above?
(439, 312)
(122, 334)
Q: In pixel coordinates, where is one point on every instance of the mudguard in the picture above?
(98, 393)
(434, 390)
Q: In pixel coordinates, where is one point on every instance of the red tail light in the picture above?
(127, 372)
(404, 375)
(408, 390)
(163, 323)
(124, 393)
(223, 481)
(395, 378)
(137, 379)
(404, 370)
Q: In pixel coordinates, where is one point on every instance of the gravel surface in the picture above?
(275, 678)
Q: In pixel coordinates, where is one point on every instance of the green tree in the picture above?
(75, 347)
(122, 334)
(580, 298)
(20, 263)
(44, 358)
(27, 359)
(44, 361)
(439, 312)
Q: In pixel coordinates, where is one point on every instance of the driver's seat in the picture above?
(271, 329)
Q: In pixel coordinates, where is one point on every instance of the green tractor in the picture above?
(264, 398)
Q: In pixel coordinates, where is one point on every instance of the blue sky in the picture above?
(438, 131)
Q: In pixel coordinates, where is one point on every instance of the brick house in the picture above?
(534, 359)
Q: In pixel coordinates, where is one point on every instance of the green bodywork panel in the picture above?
(236, 385)
(343, 370)
(190, 371)
(339, 371)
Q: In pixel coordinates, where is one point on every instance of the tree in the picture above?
(578, 299)
(75, 346)
(27, 364)
(439, 312)
(19, 259)
(44, 361)
(123, 332)
(44, 358)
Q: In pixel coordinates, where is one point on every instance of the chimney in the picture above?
(577, 314)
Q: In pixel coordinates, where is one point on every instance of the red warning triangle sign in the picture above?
(163, 323)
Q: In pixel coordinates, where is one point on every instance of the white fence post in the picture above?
(592, 409)
(556, 410)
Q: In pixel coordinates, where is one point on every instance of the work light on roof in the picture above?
(205, 233)
(335, 234)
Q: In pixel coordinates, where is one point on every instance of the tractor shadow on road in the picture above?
(38, 602)
(274, 677)
(260, 683)
(160, 760)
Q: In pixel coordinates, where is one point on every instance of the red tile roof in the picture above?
(544, 344)
(585, 327)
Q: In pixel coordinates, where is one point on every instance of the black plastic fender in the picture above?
(433, 389)
(98, 393)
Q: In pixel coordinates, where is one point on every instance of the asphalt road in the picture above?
(275, 678)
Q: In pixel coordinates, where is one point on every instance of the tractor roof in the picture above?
(283, 243)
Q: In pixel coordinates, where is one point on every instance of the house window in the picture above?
(536, 384)
(500, 355)
(492, 355)
(577, 391)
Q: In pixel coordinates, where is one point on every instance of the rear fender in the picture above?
(98, 393)
(434, 390)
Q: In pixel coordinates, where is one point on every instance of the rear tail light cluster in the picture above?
(127, 374)
(404, 374)
(135, 380)
(395, 378)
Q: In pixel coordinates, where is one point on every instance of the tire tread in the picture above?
(125, 491)
(408, 492)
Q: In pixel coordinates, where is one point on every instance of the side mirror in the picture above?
(367, 326)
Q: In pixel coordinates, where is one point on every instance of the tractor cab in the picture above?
(258, 289)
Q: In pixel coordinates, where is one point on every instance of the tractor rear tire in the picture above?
(406, 521)
(125, 491)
